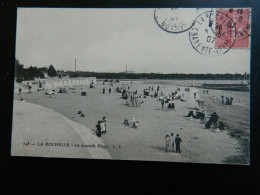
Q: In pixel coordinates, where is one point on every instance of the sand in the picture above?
(52, 136)
(199, 145)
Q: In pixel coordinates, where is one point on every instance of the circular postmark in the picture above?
(175, 20)
(213, 33)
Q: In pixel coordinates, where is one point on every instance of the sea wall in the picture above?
(49, 84)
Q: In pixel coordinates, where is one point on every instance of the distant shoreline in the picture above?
(230, 85)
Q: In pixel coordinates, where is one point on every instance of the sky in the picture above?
(108, 40)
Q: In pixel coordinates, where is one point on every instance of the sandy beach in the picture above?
(199, 145)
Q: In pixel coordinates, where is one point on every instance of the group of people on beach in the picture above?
(226, 100)
(104, 90)
(169, 143)
(169, 98)
(199, 115)
(135, 124)
(212, 120)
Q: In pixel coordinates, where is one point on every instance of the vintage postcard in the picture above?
(164, 84)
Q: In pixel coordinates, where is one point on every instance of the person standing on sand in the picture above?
(162, 102)
(231, 100)
(178, 141)
(167, 142)
(222, 99)
(104, 90)
(172, 142)
(202, 116)
(104, 121)
(214, 97)
(30, 87)
(133, 121)
(109, 90)
(20, 90)
(98, 126)
(214, 119)
(226, 100)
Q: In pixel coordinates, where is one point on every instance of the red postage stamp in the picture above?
(242, 22)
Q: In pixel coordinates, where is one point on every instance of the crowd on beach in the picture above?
(213, 119)
(134, 99)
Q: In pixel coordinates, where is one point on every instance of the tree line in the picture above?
(176, 76)
(30, 73)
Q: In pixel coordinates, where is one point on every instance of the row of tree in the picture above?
(160, 76)
(30, 73)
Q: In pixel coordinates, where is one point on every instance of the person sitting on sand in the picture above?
(136, 125)
(190, 114)
(217, 130)
(126, 123)
(141, 103)
(171, 104)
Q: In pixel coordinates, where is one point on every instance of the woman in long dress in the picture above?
(98, 129)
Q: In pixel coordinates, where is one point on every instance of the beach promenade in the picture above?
(43, 132)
